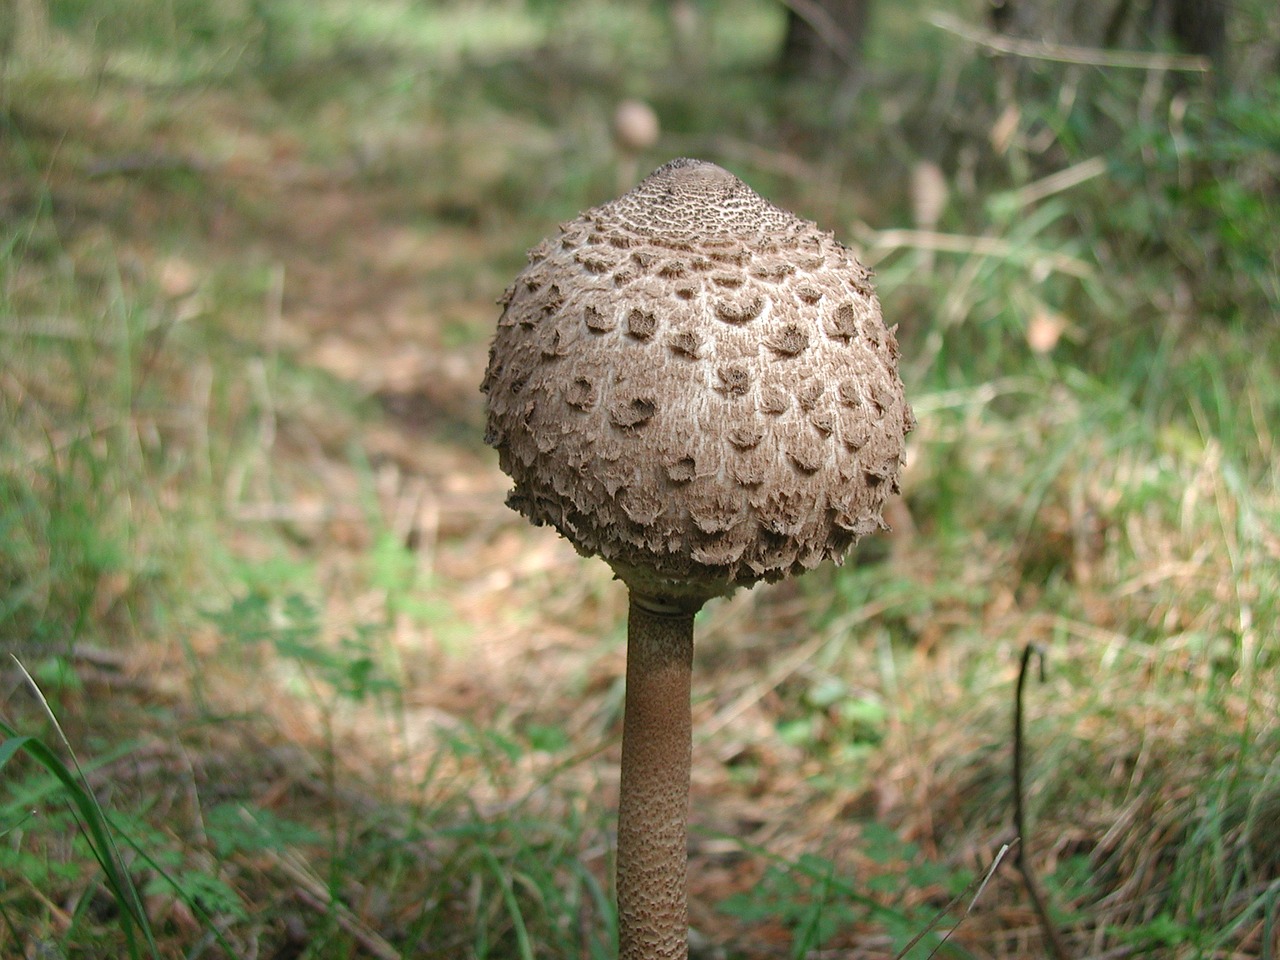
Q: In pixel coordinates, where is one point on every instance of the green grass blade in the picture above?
(93, 820)
(513, 907)
(97, 833)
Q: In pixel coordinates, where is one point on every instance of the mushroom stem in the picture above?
(653, 807)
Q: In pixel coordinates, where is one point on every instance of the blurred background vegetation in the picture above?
(307, 690)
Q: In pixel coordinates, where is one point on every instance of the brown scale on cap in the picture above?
(729, 332)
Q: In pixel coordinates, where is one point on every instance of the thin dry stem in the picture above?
(1052, 937)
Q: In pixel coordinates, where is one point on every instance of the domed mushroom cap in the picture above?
(697, 386)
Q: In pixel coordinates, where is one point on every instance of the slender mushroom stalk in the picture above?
(653, 805)
(696, 386)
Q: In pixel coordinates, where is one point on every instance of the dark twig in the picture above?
(1054, 938)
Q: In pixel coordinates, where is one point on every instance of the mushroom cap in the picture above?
(697, 386)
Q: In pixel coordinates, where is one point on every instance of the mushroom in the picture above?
(696, 386)
(636, 128)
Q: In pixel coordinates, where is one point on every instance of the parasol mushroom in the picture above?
(696, 386)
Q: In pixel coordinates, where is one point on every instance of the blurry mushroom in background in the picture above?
(928, 201)
(635, 130)
(696, 386)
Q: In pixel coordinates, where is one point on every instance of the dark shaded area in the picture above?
(824, 40)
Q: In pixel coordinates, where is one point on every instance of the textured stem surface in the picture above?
(653, 809)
